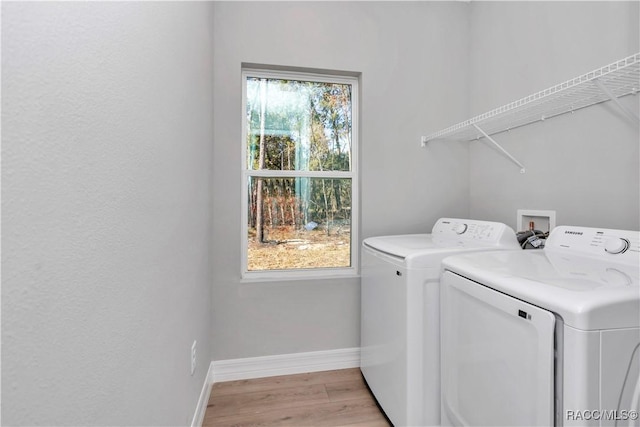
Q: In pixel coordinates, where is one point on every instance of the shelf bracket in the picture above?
(505, 152)
(615, 99)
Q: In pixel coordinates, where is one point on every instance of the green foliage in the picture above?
(307, 123)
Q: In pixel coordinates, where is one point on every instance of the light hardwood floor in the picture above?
(329, 398)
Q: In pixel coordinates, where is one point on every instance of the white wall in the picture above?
(106, 184)
(414, 63)
(110, 180)
(584, 165)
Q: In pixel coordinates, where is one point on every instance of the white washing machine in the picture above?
(547, 337)
(400, 347)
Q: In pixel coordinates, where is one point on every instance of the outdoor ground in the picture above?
(287, 248)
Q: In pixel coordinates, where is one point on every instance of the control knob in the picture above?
(617, 245)
(460, 228)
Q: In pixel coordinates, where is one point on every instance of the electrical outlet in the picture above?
(193, 357)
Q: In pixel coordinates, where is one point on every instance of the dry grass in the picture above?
(287, 248)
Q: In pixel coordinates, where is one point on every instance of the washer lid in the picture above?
(424, 250)
(402, 245)
(447, 234)
(588, 293)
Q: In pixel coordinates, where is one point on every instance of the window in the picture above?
(299, 175)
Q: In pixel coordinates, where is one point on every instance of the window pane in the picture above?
(296, 223)
(298, 125)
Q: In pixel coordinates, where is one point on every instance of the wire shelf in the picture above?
(620, 78)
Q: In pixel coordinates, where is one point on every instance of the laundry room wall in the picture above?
(106, 209)
(413, 61)
(583, 165)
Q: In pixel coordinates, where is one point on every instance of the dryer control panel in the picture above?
(614, 245)
(469, 230)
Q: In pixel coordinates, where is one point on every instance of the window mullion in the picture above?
(296, 174)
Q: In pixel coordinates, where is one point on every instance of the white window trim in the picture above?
(314, 273)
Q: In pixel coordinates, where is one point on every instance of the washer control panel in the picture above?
(469, 230)
(460, 228)
(621, 245)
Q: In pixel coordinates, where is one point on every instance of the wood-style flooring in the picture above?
(329, 398)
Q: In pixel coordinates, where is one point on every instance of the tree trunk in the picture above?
(261, 162)
(326, 205)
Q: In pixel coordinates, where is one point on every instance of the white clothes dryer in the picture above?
(400, 332)
(546, 337)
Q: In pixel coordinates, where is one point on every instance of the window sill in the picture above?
(300, 276)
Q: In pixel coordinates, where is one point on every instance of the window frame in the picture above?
(353, 174)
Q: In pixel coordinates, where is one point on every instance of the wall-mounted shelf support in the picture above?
(505, 152)
(615, 99)
(608, 83)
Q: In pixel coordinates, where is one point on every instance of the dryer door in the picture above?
(497, 357)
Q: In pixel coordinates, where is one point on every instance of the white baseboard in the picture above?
(285, 364)
(270, 366)
(198, 417)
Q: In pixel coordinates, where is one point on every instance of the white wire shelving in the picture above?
(607, 83)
